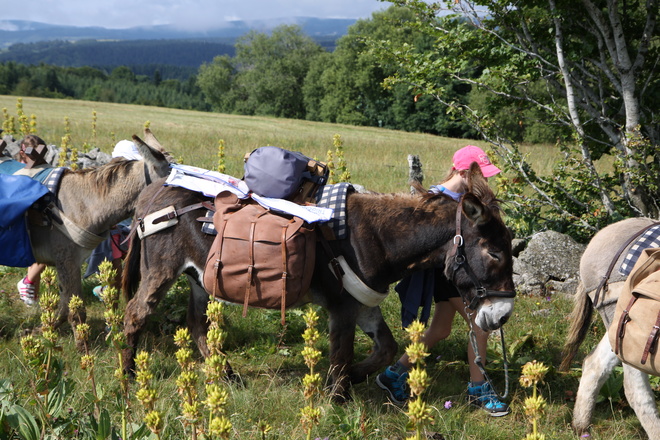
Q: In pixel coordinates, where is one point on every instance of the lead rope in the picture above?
(479, 363)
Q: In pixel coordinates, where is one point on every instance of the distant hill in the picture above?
(175, 53)
(17, 31)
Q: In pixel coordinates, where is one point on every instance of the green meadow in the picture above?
(267, 355)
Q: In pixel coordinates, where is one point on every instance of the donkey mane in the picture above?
(102, 178)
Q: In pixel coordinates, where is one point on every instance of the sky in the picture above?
(185, 14)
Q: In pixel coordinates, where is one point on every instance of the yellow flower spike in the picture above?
(216, 398)
(87, 362)
(31, 346)
(182, 337)
(147, 397)
(419, 413)
(526, 381)
(184, 358)
(416, 352)
(264, 427)
(50, 336)
(192, 411)
(534, 406)
(49, 301)
(154, 422)
(186, 381)
(75, 304)
(214, 312)
(311, 317)
(418, 381)
(83, 331)
(311, 356)
(142, 360)
(220, 426)
(311, 336)
(415, 331)
(536, 371)
(106, 273)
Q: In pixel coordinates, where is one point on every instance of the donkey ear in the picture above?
(476, 211)
(151, 140)
(148, 151)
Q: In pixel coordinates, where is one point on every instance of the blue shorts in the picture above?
(444, 289)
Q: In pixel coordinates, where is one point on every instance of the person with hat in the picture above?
(447, 302)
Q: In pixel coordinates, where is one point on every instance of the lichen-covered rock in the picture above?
(549, 263)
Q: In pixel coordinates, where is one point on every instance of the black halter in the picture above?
(460, 262)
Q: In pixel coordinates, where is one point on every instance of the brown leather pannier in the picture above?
(258, 258)
(635, 328)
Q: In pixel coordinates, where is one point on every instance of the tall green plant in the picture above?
(419, 413)
(311, 413)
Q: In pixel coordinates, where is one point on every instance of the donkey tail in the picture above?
(131, 276)
(580, 321)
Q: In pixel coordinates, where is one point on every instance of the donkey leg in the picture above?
(68, 275)
(138, 309)
(196, 317)
(642, 400)
(370, 320)
(597, 367)
(342, 321)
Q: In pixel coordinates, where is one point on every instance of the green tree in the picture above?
(348, 87)
(265, 77)
(272, 70)
(215, 79)
(122, 73)
(588, 66)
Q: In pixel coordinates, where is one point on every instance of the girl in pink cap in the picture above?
(447, 302)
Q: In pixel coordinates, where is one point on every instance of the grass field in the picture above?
(266, 355)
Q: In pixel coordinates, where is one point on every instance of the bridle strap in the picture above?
(460, 261)
(458, 238)
(147, 177)
(602, 286)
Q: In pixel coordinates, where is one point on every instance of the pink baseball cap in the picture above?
(464, 157)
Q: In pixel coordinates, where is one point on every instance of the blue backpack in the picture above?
(17, 194)
(283, 174)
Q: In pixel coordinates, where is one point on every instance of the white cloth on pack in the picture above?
(211, 183)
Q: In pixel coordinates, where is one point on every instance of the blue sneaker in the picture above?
(395, 385)
(485, 398)
(98, 292)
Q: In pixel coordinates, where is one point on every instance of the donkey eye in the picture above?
(494, 256)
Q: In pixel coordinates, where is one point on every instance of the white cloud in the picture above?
(188, 14)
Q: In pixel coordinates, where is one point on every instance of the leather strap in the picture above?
(140, 221)
(621, 327)
(218, 260)
(178, 212)
(284, 271)
(250, 268)
(458, 238)
(652, 342)
(603, 282)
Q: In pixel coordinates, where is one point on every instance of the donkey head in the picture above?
(481, 262)
(156, 160)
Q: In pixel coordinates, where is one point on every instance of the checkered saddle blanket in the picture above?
(649, 239)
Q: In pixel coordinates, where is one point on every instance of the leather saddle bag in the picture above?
(635, 328)
(258, 258)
